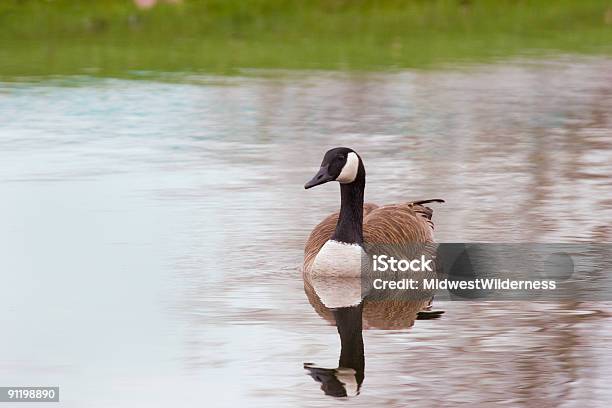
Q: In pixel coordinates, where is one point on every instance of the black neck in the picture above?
(350, 223)
(349, 324)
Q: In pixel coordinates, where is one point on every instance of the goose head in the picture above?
(339, 164)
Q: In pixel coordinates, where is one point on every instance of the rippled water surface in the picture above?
(153, 233)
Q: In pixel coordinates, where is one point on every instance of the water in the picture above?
(153, 233)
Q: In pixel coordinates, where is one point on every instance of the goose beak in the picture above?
(320, 178)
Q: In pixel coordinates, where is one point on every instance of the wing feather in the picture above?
(399, 224)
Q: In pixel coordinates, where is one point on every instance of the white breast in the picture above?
(338, 259)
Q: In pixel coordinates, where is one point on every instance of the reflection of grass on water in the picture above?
(110, 37)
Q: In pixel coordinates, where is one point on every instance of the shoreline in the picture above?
(116, 39)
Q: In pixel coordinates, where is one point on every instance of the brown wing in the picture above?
(399, 224)
(322, 232)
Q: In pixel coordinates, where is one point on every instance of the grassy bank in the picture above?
(114, 38)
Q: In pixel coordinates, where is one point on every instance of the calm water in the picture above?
(153, 233)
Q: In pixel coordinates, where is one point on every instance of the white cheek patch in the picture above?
(349, 171)
(347, 377)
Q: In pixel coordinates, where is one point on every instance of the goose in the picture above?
(335, 245)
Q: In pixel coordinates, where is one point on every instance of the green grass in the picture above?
(113, 38)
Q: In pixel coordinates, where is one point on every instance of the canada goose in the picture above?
(335, 245)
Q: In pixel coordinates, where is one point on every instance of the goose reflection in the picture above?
(346, 379)
(339, 301)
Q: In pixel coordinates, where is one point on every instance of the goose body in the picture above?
(335, 245)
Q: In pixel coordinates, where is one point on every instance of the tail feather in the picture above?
(433, 200)
(425, 211)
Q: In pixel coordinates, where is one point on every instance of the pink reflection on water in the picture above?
(146, 4)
